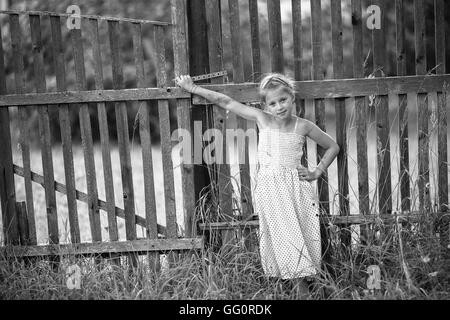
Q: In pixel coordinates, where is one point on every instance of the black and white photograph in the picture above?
(224, 155)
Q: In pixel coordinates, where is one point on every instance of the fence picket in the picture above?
(24, 138)
(298, 70)
(66, 129)
(122, 133)
(166, 149)
(341, 125)
(254, 34)
(319, 104)
(144, 130)
(7, 188)
(403, 108)
(320, 115)
(104, 131)
(275, 36)
(361, 118)
(382, 118)
(238, 77)
(184, 108)
(423, 112)
(224, 185)
(86, 137)
(146, 144)
(44, 130)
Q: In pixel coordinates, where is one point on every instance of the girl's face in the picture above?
(279, 103)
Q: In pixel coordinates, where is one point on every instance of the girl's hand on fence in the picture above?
(306, 175)
(185, 82)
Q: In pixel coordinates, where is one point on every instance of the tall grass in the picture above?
(412, 261)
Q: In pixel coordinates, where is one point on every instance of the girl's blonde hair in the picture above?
(275, 81)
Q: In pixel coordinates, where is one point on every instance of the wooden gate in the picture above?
(19, 219)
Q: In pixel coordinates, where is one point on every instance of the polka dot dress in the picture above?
(287, 207)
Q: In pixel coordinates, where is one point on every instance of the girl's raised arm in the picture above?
(221, 100)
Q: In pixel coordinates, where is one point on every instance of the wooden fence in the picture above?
(19, 221)
(315, 90)
(368, 46)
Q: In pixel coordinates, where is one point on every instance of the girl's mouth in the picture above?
(281, 113)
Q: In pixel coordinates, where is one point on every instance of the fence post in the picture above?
(184, 107)
(199, 64)
(7, 190)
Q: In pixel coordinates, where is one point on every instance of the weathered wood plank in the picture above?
(83, 197)
(104, 131)
(403, 108)
(341, 125)
(423, 112)
(255, 44)
(202, 116)
(325, 220)
(275, 36)
(298, 60)
(146, 144)
(235, 31)
(7, 189)
(214, 34)
(144, 132)
(138, 246)
(382, 117)
(319, 104)
(361, 116)
(21, 209)
(184, 107)
(243, 92)
(44, 130)
(86, 137)
(24, 137)
(238, 77)
(440, 46)
(297, 40)
(345, 88)
(66, 129)
(166, 147)
(77, 97)
(122, 133)
(83, 16)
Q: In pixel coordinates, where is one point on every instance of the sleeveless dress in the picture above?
(287, 207)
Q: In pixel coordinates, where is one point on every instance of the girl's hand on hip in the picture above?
(185, 82)
(306, 175)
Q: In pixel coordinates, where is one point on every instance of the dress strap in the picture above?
(296, 123)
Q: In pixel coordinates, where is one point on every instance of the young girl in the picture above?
(289, 233)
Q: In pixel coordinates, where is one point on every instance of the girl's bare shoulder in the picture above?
(303, 126)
